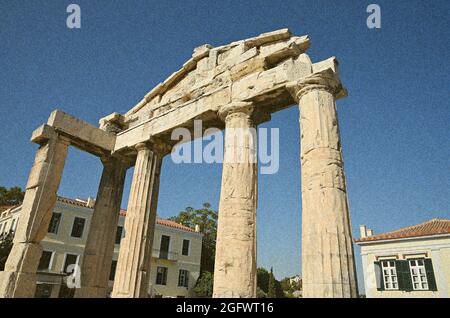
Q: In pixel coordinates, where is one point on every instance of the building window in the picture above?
(161, 275)
(185, 250)
(119, 234)
(54, 223)
(71, 259)
(405, 275)
(164, 248)
(5, 225)
(43, 290)
(13, 225)
(78, 227)
(183, 278)
(389, 275)
(66, 292)
(45, 261)
(418, 274)
(112, 273)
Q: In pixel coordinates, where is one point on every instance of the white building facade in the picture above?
(175, 263)
(412, 262)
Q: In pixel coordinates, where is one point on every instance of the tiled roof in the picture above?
(165, 222)
(72, 201)
(123, 212)
(431, 227)
(173, 224)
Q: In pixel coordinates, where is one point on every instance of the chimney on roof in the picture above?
(363, 231)
(369, 232)
(90, 202)
(197, 228)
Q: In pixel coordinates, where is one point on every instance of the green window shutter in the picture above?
(379, 276)
(430, 274)
(404, 275)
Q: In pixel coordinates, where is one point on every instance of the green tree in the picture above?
(272, 292)
(204, 285)
(260, 293)
(13, 196)
(267, 285)
(286, 284)
(6, 242)
(206, 219)
(262, 279)
(279, 293)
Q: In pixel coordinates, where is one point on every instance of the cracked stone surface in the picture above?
(235, 263)
(237, 85)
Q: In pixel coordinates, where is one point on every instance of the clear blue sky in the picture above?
(394, 123)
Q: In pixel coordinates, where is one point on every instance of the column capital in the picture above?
(326, 80)
(154, 144)
(235, 107)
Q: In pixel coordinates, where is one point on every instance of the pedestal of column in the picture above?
(328, 267)
(100, 243)
(133, 266)
(235, 262)
(19, 276)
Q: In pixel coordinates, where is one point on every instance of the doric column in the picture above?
(99, 248)
(19, 277)
(133, 266)
(235, 263)
(328, 266)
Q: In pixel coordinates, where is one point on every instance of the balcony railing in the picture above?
(167, 255)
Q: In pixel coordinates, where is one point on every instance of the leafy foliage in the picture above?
(272, 293)
(206, 219)
(260, 293)
(13, 196)
(204, 285)
(262, 278)
(267, 285)
(6, 242)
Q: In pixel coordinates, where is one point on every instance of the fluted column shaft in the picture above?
(133, 266)
(328, 266)
(19, 277)
(100, 243)
(235, 262)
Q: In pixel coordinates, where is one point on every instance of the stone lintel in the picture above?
(81, 134)
(42, 134)
(272, 99)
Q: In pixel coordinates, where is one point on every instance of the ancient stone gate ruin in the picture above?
(237, 85)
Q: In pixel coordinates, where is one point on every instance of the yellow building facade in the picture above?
(175, 263)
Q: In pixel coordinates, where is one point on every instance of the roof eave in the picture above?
(390, 240)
